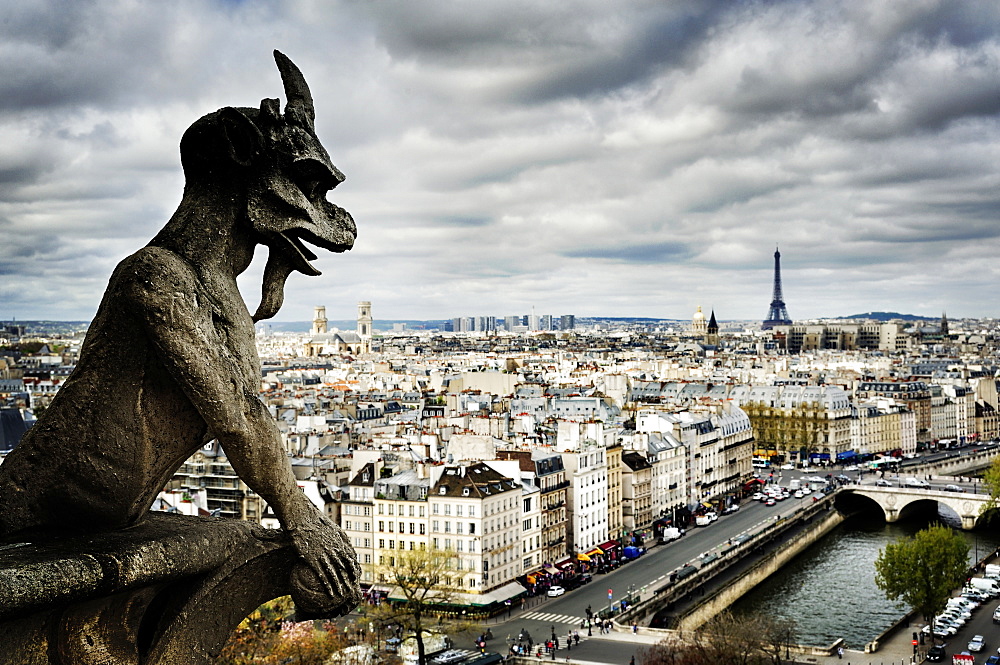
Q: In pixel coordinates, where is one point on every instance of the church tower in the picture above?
(712, 338)
(319, 320)
(365, 325)
(944, 324)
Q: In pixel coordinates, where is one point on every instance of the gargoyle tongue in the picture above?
(287, 254)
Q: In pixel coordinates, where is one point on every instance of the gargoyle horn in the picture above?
(299, 101)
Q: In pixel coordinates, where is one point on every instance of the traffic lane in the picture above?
(981, 623)
(658, 561)
(650, 570)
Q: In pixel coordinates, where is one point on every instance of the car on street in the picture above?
(953, 488)
(770, 502)
(992, 660)
(936, 653)
(917, 482)
(555, 591)
(977, 643)
(882, 482)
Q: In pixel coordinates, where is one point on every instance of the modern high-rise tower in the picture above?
(777, 315)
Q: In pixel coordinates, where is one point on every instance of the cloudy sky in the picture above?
(627, 158)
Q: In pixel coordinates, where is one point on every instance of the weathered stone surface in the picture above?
(169, 363)
(167, 591)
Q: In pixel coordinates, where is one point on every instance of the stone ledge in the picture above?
(167, 591)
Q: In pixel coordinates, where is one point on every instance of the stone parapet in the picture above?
(168, 591)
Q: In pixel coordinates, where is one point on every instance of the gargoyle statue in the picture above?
(169, 362)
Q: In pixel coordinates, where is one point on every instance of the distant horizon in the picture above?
(350, 323)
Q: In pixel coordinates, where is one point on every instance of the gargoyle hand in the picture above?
(325, 582)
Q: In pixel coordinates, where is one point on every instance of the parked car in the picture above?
(977, 643)
(555, 591)
(936, 653)
(770, 502)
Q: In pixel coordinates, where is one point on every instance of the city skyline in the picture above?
(635, 160)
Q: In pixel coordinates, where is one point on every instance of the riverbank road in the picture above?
(897, 650)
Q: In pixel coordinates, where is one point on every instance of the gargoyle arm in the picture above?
(181, 324)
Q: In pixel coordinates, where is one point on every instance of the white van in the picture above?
(983, 584)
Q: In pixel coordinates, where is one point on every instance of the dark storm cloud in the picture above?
(662, 252)
(575, 156)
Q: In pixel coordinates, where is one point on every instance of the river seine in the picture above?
(829, 590)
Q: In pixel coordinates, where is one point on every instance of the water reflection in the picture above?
(829, 590)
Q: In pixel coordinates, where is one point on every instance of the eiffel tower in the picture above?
(777, 315)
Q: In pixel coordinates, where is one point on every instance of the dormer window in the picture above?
(443, 490)
(465, 491)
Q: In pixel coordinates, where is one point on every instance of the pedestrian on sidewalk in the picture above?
(840, 652)
(632, 661)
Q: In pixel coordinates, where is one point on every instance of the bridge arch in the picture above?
(897, 502)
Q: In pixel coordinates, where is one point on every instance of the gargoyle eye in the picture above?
(313, 177)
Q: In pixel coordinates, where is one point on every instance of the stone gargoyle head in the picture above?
(278, 164)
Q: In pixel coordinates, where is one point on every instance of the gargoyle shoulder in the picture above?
(156, 278)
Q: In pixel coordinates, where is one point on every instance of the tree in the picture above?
(424, 579)
(267, 637)
(735, 639)
(922, 571)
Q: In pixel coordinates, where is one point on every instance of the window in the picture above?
(435, 526)
(436, 509)
(472, 528)
(458, 527)
(443, 490)
(458, 510)
(381, 543)
(422, 528)
(472, 511)
(447, 509)
(381, 525)
(447, 526)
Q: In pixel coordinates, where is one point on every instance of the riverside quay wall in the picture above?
(692, 598)
(724, 595)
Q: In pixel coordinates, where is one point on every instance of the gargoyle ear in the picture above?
(242, 135)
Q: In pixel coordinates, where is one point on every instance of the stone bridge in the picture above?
(894, 500)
